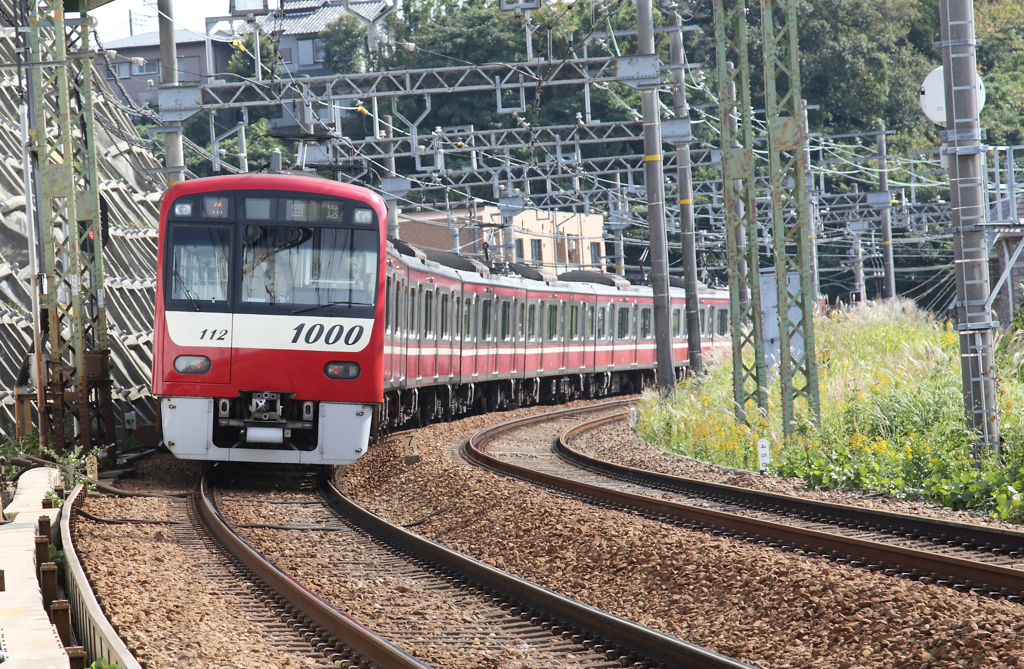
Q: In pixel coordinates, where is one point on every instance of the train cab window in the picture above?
(445, 330)
(467, 319)
(600, 322)
(428, 313)
(676, 324)
(199, 266)
(531, 322)
(645, 323)
(623, 324)
(485, 320)
(723, 322)
(552, 322)
(307, 266)
(506, 321)
(574, 326)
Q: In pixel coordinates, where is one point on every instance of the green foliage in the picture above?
(12, 447)
(243, 59)
(345, 49)
(101, 663)
(71, 464)
(892, 416)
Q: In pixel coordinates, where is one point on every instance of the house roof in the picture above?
(181, 36)
(302, 17)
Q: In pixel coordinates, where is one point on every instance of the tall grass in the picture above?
(892, 415)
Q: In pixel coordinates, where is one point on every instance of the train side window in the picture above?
(428, 313)
(531, 322)
(387, 306)
(457, 312)
(591, 325)
(723, 322)
(412, 311)
(506, 320)
(485, 320)
(676, 323)
(445, 329)
(600, 322)
(645, 323)
(574, 322)
(522, 321)
(710, 331)
(623, 324)
(467, 319)
(703, 315)
(552, 322)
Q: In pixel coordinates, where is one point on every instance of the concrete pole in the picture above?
(741, 237)
(686, 223)
(616, 206)
(175, 154)
(389, 168)
(858, 268)
(243, 147)
(967, 204)
(889, 270)
(655, 182)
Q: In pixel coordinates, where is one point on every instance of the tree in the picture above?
(345, 49)
(243, 60)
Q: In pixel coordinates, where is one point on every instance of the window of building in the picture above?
(536, 251)
(285, 56)
(445, 330)
(552, 321)
(485, 320)
(595, 254)
(428, 314)
(531, 321)
(506, 321)
(645, 323)
(519, 250)
(600, 322)
(723, 322)
(122, 70)
(311, 51)
(623, 329)
(149, 67)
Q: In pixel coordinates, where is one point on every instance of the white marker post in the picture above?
(764, 455)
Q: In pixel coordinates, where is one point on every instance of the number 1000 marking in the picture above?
(331, 336)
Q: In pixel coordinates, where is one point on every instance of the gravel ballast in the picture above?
(759, 605)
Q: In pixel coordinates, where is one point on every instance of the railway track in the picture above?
(975, 558)
(451, 610)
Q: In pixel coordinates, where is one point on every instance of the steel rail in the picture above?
(991, 579)
(365, 642)
(647, 645)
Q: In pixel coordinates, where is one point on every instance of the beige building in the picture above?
(554, 240)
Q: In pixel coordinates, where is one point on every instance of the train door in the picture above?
(399, 343)
(563, 341)
(444, 334)
(518, 335)
(457, 334)
(506, 346)
(428, 354)
(469, 366)
(590, 337)
(412, 357)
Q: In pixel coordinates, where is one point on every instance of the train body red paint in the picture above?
(288, 329)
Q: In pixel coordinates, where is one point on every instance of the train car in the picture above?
(289, 329)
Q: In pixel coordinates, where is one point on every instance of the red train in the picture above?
(288, 329)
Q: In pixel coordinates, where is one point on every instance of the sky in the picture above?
(113, 17)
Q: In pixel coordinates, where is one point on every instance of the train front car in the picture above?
(269, 332)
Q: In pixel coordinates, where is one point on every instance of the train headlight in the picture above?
(341, 370)
(182, 208)
(191, 364)
(364, 216)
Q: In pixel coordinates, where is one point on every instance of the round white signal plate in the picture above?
(933, 97)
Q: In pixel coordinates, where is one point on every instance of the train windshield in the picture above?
(199, 272)
(308, 266)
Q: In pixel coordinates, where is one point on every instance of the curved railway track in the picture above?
(459, 603)
(967, 557)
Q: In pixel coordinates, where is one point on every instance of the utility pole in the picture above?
(174, 152)
(967, 203)
(858, 253)
(685, 183)
(654, 178)
(798, 366)
(617, 215)
(749, 373)
(883, 185)
(389, 168)
(812, 208)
